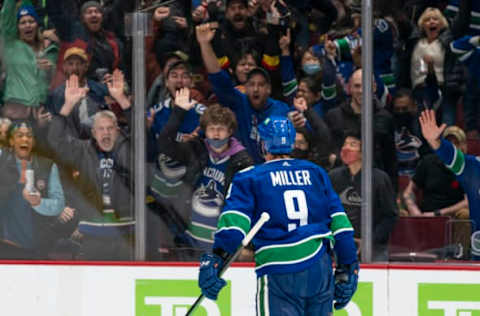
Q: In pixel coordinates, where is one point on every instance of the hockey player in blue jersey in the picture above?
(292, 250)
(465, 167)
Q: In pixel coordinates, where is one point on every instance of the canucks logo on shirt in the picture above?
(207, 200)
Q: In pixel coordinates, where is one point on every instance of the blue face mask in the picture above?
(311, 69)
(217, 143)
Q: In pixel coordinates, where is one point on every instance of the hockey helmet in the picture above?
(277, 134)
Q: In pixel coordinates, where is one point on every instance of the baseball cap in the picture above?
(75, 51)
(261, 71)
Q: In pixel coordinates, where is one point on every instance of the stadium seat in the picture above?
(418, 238)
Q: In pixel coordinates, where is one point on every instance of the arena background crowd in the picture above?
(214, 71)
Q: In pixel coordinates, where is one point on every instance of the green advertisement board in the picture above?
(447, 299)
(174, 297)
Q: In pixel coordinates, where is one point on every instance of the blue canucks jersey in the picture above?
(168, 175)
(207, 201)
(383, 38)
(304, 212)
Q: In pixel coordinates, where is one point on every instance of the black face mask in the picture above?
(403, 119)
(299, 154)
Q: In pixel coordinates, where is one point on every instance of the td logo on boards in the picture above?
(174, 297)
(441, 299)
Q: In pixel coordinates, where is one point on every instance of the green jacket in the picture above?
(25, 83)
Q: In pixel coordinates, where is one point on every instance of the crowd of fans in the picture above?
(215, 70)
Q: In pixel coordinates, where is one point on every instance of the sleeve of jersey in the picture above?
(382, 90)
(289, 80)
(235, 220)
(343, 48)
(222, 58)
(464, 46)
(271, 52)
(329, 87)
(452, 157)
(340, 227)
(224, 89)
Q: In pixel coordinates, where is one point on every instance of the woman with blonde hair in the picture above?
(29, 64)
(429, 67)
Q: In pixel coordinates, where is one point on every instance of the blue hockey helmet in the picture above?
(277, 134)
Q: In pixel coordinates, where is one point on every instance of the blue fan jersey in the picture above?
(168, 175)
(207, 201)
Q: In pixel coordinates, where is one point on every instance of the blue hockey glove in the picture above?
(208, 280)
(346, 280)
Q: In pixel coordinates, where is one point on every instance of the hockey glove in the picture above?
(346, 279)
(208, 280)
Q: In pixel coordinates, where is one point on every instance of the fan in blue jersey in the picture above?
(292, 250)
(251, 107)
(465, 167)
(211, 161)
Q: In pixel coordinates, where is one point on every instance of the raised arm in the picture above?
(8, 20)
(205, 33)
(67, 148)
(166, 142)
(287, 68)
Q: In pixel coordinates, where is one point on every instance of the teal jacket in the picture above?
(25, 83)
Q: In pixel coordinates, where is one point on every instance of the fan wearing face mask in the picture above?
(318, 83)
(346, 182)
(211, 160)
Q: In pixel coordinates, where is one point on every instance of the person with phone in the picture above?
(31, 194)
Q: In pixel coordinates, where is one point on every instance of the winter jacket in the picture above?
(84, 156)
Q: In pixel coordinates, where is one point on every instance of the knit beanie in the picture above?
(27, 9)
(89, 4)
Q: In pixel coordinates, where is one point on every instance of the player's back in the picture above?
(296, 195)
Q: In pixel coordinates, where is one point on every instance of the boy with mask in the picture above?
(346, 181)
(211, 162)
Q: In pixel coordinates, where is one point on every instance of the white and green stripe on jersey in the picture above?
(290, 253)
(458, 162)
(234, 220)
(201, 232)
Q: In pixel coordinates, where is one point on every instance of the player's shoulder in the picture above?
(288, 164)
(245, 173)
